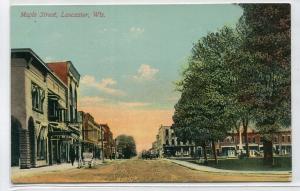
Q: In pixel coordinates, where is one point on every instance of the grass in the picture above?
(253, 164)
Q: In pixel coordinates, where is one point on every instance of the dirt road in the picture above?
(136, 170)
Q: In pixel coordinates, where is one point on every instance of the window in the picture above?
(71, 94)
(289, 138)
(173, 142)
(38, 96)
(282, 138)
(75, 98)
(167, 132)
(53, 109)
(253, 139)
(41, 145)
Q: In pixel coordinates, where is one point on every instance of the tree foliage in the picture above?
(126, 144)
(238, 75)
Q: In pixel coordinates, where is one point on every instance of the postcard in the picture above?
(171, 93)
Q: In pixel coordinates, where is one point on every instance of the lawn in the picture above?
(256, 164)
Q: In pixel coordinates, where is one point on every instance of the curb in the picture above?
(216, 170)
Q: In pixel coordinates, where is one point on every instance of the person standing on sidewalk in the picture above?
(72, 154)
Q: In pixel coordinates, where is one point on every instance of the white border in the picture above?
(5, 105)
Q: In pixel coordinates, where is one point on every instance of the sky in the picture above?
(129, 59)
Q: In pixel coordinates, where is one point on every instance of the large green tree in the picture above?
(267, 40)
(202, 113)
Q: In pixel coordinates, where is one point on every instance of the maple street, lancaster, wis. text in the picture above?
(61, 14)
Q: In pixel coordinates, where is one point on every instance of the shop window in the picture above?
(41, 145)
(38, 97)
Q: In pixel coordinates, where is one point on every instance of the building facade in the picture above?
(168, 145)
(92, 135)
(68, 74)
(109, 145)
(235, 144)
(40, 129)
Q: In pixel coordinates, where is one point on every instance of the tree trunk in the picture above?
(268, 152)
(204, 153)
(214, 151)
(245, 134)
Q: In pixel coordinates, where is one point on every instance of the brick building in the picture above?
(234, 143)
(91, 134)
(108, 142)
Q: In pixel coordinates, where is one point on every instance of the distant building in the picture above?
(109, 145)
(235, 144)
(91, 134)
(168, 145)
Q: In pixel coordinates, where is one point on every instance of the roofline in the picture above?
(66, 61)
(29, 50)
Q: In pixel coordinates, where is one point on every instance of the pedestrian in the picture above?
(72, 155)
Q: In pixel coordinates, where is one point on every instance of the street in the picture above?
(135, 170)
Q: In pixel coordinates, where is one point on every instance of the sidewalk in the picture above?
(216, 170)
(17, 172)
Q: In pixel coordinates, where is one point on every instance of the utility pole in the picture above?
(102, 148)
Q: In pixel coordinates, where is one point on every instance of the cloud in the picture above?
(96, 101)
(145, 72)
(105, 85)
(137, 30)
(134, 104)
(89, 101)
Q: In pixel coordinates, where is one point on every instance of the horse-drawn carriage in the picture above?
(88, 159)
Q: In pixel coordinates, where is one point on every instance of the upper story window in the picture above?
(289, 139)
(75, 98)
(167, 132)
(38, 97)
(71, 94)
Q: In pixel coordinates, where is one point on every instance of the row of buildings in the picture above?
(45, 122)
(168, 145)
